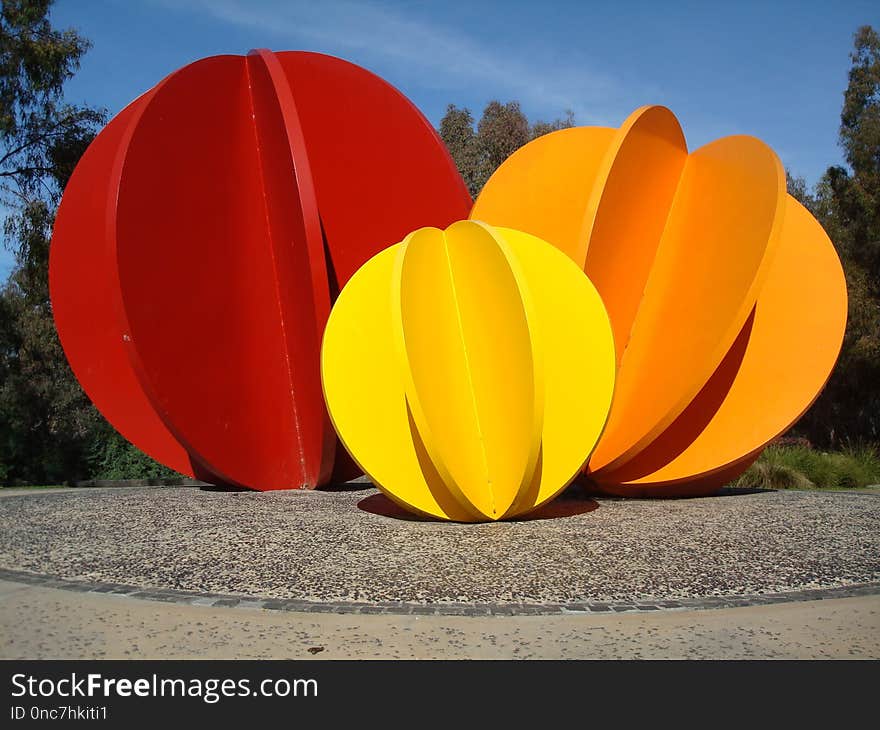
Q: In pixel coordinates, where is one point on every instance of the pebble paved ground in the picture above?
(327, 546)
(46, 623)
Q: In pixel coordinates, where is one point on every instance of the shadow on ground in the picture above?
(379, 504)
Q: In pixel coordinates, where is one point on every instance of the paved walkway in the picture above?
(41, 623)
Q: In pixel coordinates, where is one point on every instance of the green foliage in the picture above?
(800, 467)
(847, 204)
(858, 194)
(501, 131)
(35, 59)
(48, 427)
(42, 137)
(112, 457)
(798, 189)
(457, 131)
(46, 419)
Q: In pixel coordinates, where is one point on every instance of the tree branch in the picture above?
(59, 128)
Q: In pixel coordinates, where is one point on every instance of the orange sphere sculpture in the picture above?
(726, 298)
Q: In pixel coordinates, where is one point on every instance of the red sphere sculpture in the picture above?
(203, 237)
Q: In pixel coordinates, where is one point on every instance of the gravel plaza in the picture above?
(351, 556)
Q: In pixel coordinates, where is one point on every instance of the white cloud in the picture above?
(448, 57)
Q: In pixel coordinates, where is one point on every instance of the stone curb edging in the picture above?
(194, 598)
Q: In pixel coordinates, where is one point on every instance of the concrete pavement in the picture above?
(47, 623)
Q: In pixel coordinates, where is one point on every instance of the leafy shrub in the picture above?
(800, 467)
(112, 457)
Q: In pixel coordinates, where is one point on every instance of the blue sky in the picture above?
(776, 70)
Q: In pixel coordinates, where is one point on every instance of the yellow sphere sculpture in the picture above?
(726, 298)
(469, 371)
